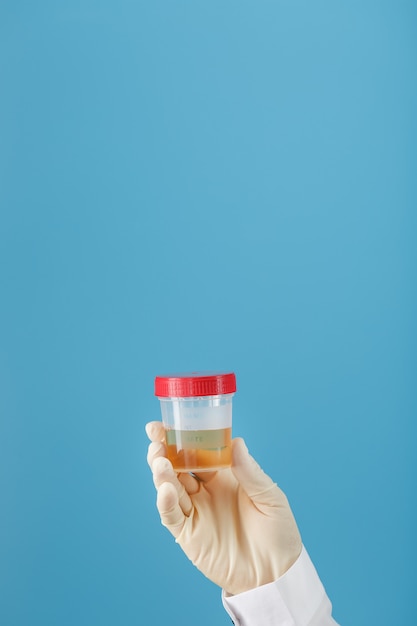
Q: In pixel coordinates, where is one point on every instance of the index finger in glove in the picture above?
(155, 431)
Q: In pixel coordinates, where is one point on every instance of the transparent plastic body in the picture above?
(198, 432)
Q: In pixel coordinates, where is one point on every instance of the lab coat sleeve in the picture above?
(297, 598)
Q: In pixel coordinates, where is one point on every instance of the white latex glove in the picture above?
(235, 525)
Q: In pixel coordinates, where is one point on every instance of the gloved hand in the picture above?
(235, 524)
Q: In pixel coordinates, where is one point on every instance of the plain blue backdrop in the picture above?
(194, 185)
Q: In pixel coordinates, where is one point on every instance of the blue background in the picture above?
(205, 185)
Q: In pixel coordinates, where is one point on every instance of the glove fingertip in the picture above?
(247, 471)
(155, 431)
(167, 497)
(168, 505)
(240, 450)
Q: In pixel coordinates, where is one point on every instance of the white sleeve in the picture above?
(297, 598)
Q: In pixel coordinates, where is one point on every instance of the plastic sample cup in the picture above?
(197, 416)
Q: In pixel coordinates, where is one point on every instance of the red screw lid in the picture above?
(195, 384)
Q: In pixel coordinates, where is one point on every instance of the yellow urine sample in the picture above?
(199, 450)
